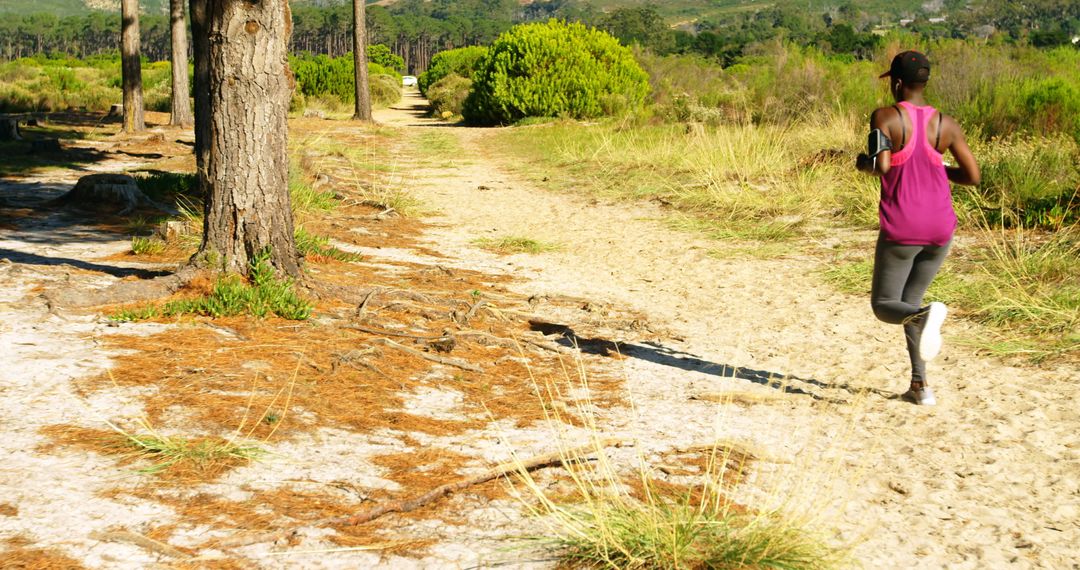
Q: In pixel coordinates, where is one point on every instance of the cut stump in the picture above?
(9, 130)
(109, 193)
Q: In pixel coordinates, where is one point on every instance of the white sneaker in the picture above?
(930, 339)
(923, 397)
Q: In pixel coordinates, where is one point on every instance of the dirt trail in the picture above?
(989, 478)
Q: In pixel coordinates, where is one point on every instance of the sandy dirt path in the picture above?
(989, 478)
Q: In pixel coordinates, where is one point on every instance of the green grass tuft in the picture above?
(659, 533)
(312, 246)
(202, 454)
(263, 294)
(146, 245)
(516, 244)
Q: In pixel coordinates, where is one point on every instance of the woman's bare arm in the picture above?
(878, 120)
(966, 170)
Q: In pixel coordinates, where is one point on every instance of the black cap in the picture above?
(909, 67)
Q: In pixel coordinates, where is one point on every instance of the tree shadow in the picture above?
(34, 259)
(659, 354)
(18, 158)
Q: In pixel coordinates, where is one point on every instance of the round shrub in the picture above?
(554, 69)
(385, 89)
(448, 94)
(462, 62)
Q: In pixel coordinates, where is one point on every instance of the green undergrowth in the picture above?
(262, 294)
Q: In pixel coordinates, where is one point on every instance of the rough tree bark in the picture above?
(363, 93)
(247, 201)
(200, 43)
(131, 67)
(181, 105)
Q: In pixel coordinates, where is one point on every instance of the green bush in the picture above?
(318, 76)
(448, 94)
(462, 62)
(385, 89)
(1028, 182)
(553, 69)
(49, 85)
(1053, 104)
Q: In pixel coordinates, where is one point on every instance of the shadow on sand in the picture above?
(666, 356)
(115, 271)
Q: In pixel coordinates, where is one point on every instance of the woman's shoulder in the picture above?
(883, 115)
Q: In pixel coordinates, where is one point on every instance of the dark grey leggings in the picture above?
(901, 275)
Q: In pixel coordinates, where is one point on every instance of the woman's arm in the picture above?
(865, 163)
(966, 170)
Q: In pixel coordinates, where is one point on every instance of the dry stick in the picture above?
(509, 343)
(141, 541)
(392, 333)
(407, 505)
(472, 310)
(367, 299)
(440, 359)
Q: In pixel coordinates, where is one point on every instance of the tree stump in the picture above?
(172, 230)
(9, 130)
(109, 193)
(116, 110)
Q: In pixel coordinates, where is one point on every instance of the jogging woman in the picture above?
(916, 213)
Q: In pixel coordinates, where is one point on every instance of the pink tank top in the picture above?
(916, 201)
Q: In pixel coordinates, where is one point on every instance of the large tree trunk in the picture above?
(247, 204)
(131, 67)
(181, 106)
(200, 43)
(363, 93)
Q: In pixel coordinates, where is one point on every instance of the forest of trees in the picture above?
(417, 29)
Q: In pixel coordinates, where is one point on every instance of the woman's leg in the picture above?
(923, 269)
(893, 265)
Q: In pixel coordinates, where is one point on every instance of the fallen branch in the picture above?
(406, 505)
(141, 541)
(457, 363)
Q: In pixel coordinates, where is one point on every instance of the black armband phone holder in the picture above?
(876, 144)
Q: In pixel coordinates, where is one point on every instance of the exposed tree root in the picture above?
(122, 292)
